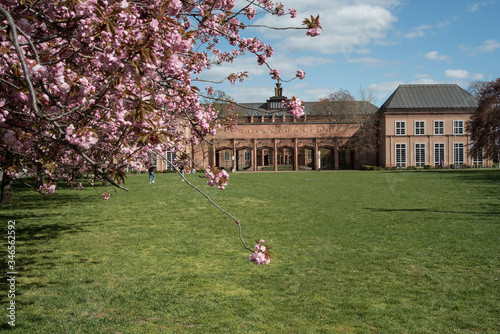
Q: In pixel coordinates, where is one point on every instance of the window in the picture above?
(458, 153)
(458, 127)
(439, 154)
(400, 128)
(477, 158)
(419, 128)
(419, 155)
(170, 157)
(246, 156)
(227, 156)
(276, 105)
(400, 155)
(309, 154)
(439, 127)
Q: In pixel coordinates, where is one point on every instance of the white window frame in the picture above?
(477, 158)
(458, 153)
(439, 127)
(400, 128)
(170, 156)
(438, 156)
(309, 155)
(420, 152)
(227, 156)
(246, 155)
(458, 127)
(419, 130)
(400, 154)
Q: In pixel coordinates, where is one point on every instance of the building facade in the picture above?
(418, 125)
(267, 138)
(425, 125)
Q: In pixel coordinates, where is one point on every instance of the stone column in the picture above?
(214, 156)
(192, 154)
(336, 157)
(296, 154)
(255, 161)
(275, 154)
(315, 155)
(235, 157)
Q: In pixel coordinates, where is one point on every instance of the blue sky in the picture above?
(373, 45)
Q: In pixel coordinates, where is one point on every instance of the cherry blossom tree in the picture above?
(91, 87)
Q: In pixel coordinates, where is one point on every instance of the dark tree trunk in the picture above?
(6, 189)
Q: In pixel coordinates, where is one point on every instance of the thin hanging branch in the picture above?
(237, 221)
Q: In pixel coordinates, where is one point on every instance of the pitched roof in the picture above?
(449, 96)
(260, 109)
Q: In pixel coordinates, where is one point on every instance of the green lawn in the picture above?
(355, 252)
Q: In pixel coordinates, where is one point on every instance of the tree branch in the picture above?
(208, 198)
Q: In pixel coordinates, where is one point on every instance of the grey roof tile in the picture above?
(448, 96)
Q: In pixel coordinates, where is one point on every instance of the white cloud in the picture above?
(417, 31)
(392, 74)
(370, 61)
(489, 45)
(421, 76)
(384, 89)
(463, 74)
(363, 51)
(346, 25)
(475, 6)
(434, 55)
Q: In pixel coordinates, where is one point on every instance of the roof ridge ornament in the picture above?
(278, 91)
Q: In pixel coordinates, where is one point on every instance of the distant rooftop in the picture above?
(273, 106)
(447, 96)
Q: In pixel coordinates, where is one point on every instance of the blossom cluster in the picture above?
(295, 106)
(47, 189)
(262, 254)
(216, 177)
(275, 74)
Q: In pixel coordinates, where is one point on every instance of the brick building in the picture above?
(267, 138)
(418, 125)
(426, 125)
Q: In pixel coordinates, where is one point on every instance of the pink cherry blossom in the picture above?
(261, 255)
(275, 74)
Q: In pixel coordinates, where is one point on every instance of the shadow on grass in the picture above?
(494, 211)
(37, 220)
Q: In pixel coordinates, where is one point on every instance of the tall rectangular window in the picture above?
(400, 128)
(439, 127)
(458, 127)
(308, 154)
(477, 158)
(170, 157)
(227, 156)
(458, 153)
(419, 128)
(419, 155)
(247, 156)
(439, 154)
(400, 155)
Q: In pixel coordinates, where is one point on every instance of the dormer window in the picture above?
(275, 104)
